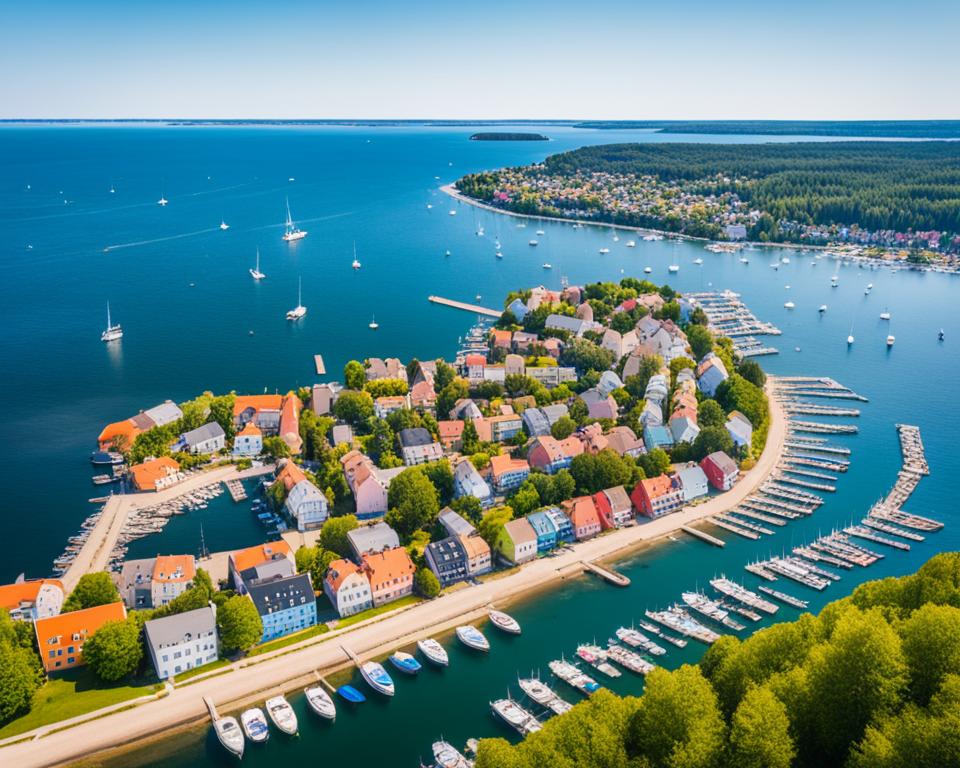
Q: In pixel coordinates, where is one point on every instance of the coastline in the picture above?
(293, 666)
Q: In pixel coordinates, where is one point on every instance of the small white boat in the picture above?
(647, 270)
(631, 243)
(540, 233)
(429, 206)
(480, 232)
(447, 756)
(320, 702)
(673, 268)
(496, 243)
(447, 253)
(833, 281)
(356, 262)
(604, 250)
(744, 260)
(533, 243)
(823, 308)
(373, 325)
(785, 260)
(866, 291)
(377, 677)
(433, 652)
(499, 255)
(282, 715)
(547, 265)
(112, 332)
(255, 726)
(255, 273)
(775, 265)
(890, 340)
(885, 315)
(162, 200)
(789, 305)
(452, 212)
(616, 237)
(229, 734)
(698, 260)
(298, 311)
(504, 622)
(850, 339)
(292, 232)
(869, 286)
(224, 226)
(472, 637)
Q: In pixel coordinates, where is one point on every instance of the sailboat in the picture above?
(356, 263)
(113, 332)
(850, 337)
(298, 311)
(373, 323)
(162, 200)
(224, 226)
(255, 273)
(293, 232)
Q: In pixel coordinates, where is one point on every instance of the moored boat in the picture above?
(433, 651)
(255, 726)
(515, 716)
(282, 715)
(472, 637)
(596, 657)
(351, 694)
(572, 676)
(504, 622)
(320, 702)
(445, 755)
(377, 677)
(405, 662)
(106, 458)
(229, 734)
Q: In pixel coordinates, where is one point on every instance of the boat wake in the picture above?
(160, 239)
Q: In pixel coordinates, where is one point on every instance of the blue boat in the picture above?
(351, 694)
(405, 663)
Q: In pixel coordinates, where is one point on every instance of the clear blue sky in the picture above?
(615, 59)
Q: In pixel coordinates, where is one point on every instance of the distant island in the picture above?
(864, 129)
(495, 136)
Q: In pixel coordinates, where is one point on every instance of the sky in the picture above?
(464, 59)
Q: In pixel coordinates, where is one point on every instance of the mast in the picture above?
(258, 259)
(299, 288)
(289, 218)
(108, 315)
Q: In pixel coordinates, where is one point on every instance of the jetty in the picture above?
(703, 536)
(890, 509)
(728, 316)
(607, 574)
(474, 308)
(321, 368)
(237, 492)
(822, 428)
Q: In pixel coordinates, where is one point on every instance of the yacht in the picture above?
(320, 702)
(377, 677)
(850, 338)
(785, 260)
(373, 325)
(573, 676)
(698, 260)
(540, 233)
(447, 756)
(292, 232)
(890, 339)
(744, 260)
(673, 268)
(452, 212)
(869, 286)
(647, 270)
(504, 621)
(405, 662)
(356, 262)
(254, 724)
(298, 311)
(604, 250)
(499, 255)
(472, 637)
(112, 332)
(255, 273)
(229, 734)
(106, 458)
(789, 305)
(282, 715)
(480, 231)
(515, 716)
(433, 652)
(885, 315)
(224, 226)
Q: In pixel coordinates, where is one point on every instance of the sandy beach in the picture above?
(293, 666)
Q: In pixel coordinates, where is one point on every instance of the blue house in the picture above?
(285, 604)
(519, 309)
(657, 437)
(562, 524)
(545, 529)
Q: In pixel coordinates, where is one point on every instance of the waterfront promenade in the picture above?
(292, 667)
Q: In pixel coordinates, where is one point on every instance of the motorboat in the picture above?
(834, 281)
(890, 340)
(604, 250)
(433, 652)
(850, 339)
(885, 315)
(547, 265)
(112, 332)
(229, 734)
(447, 756)
(224, 226)
(499, 255)
(673, 268)
(789, 305)
(785, 260)
(282, 715)
(377, 677)
(515, 716)
(320, 701)
(162, 200)
(255, 726)
(533, 243)
(405, 662)
(351, 694)
(504, 622)
(540, 233)
(472, 637)
(629, 660)
(539, 692)
(744, 260)
(596, 657)
(647, 270)
(631, 243)
(698, 260)
(255, 273)
(292, 232)
(298, 311)
(571, 675)
(452, 212)
(823, 308)
(105, 479)
(99, 458)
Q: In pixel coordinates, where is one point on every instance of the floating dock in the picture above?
(696, 533)
(475, 308)
(237, 492)
(321, 368)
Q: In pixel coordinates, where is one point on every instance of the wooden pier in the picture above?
(321, 368)
(607, 574)
(237, 492)
(474, 308)
(722, 522)
(822, 428)
(698, 534)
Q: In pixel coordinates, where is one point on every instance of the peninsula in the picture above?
(503, 136)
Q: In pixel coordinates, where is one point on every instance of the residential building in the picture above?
(479, 558)
(155, 581)
(721, 470)
(451, 434)
(583, 516)
(286, 604)
(208, 438)
(391, 368)
(609, 382)
(500, 339)
(448, 560)
(565, 532)
(518, 308)
(454, 524)
(517, 542)
(551, 375)
(262, 410)
(367, 539)
(585, 312)
(552, 455)
(656, 496)
(368, 483)
(544, 528)
(347, 587)
(384, 406)
(290, 423)
(182, 641)
(156, 474)
(711, 373)
(624, 441)
(423, 396)
(592, 438)
(251, 557)
(740, 429)
(693, 482)
(390, 573)
(468, 482)
(474, 366)
(324, 397)
(514, 365)
(535, 422)
(272, 569)
(248, 441)
(306, 504)
(417, 446)
(657, 437)
(29, 600)
(652, 414)
(121, 434)
(522, 341)
(342, 434)
(60, 639)
(614, 507)
(683, 428)
(465, 409)
(504, 427)
(599, 406)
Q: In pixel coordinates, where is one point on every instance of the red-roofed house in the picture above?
(614, 507)
(290, 423)
(348, 588)
(60, 639)
(475, 365)
(451, 433)
(507, 472)
(656, 496)
(583, 517)
(552, 455)
(33, 599)
(390, 573)
(251, 557)
(156, 474)
(501, 339)
(720, 470)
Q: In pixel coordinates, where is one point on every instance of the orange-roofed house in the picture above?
(583, 517)
(479, 557)
(248, 441)
(172, 575)
(614, 507)
(451, 434)
(390, 573)
(305, 503)
(552, 455)
(33, 599)
(119, 435)
(656, 496)
(475, 366)
(262, 410)
(290, 423)
(423, 395)
(501, 339)
(507, 472)
(61, 638)
(347, 587)
(156, 474)
(260, 554)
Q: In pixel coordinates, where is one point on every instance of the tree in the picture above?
(760, 732)
(578, 411)
(275, 447)
(448, 396)
(931, 647)
(563, 486)
(221, 411)
(114, 651)
(710, 414)
(492, 524)
(354, 375)
(489, 390)
(700, 340)
(710, 440)
(586, 356)
(425, 583)
(412, 501)
(333, 534)
(444, 375)
(386, 387)
(440, 474)
(752, 372)
(593, 473)
(636, 385)
(239, 624)
(738, 394)
(654, 463)
(468, 507)
(563, 427)
(20, 672)
(353, 407)
(526, 499)
(469, 439)
(92, 589)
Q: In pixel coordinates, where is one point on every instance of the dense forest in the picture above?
(872, 682)
(893, 129)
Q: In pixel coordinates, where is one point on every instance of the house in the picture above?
(518, 308)
(248, 441)
(711, 373)
(347, 587)
(656, 496)
(565, 533)
(535, 422)
(504, 427)
(384, 406)
(740, 429)
(259, 554)
(391, 368)
(342, 434)
(632, 366)
(551, 375)
(653, 302)
(693, 482)
(684, 428)
(60, 638)
(155, 581)
(417, 446)
(368, 483)
(423, 395)
(121, 434)
(465, 409)
(479, 558)
(592, 438)
(657, 437)
(305, 503)
(451, 434)
(652, 414)
(585, 311)
(552, 455)
(721, 470)
(33, 599)
(156, 474)
(208, 438)
(501, 339)
(735, 231)
(390, 573)
(544, 528)
(517, 542)
(448, 560)
(290, 423)
(614, 507)
(599, 406)
(522, 341)
(583, 516)
(182, 641)
(372, 538)
(608, 383)
(574, 325)
(625, 442)
(323, 398)
(474, 366)
(286, 604)
(454, 524)
(262, 410)
(468, 482)
(552, 347)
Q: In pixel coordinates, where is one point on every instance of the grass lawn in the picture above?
(74, 693)
(283, 642)
(202, 670)
(403, 602)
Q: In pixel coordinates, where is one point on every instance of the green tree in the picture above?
(221, 411)
(425, 583)
(752, 372)
(738, 394)
(586, 356)
(353, 407)
(712, 439)
(593, 473)
(579, 412)
(114, 651)
(412, 501)
(563, 427)
(563, 486)
(469, 439)
(710, 414)
(444, 375)
(468, 507)
(492, 524)
(649, 365)
(931, 647)
(20, 672)
(760, 732)
(275, 447)
(526, 499)
(333, 534)
(354, 375)
(654, 463)
(92, 589)
(239, 624)
(440, 474)
(700, 340)
(448, 396)
(386, 387)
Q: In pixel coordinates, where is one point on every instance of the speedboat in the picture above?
(547, 265)
(604, 250)
(540, 233)
(885, 315)
(447, 756)
(405, 662)
(499, 255)
(504, 621)
(823, 308)
(229, 734)
(254, 724)
(377, 677)
(849, 339)
(472, 637)
(789, 305)
(356, 261)
(698, 260)
(351, 694)
(673, 268)
(224, 226)
(320, 702)
(785, 260)
(515, 716)
(162, 200)
(744, 260)
(282, 715)
(433, 651)
(452, 212)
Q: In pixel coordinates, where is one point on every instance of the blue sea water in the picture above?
(181, 289)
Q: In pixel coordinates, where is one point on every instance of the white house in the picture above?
(208, 438)
(693, 482)
(307, 505)
(347, 587)
(468, 482)
(418, 446)
(248, 441)
(182, 641)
